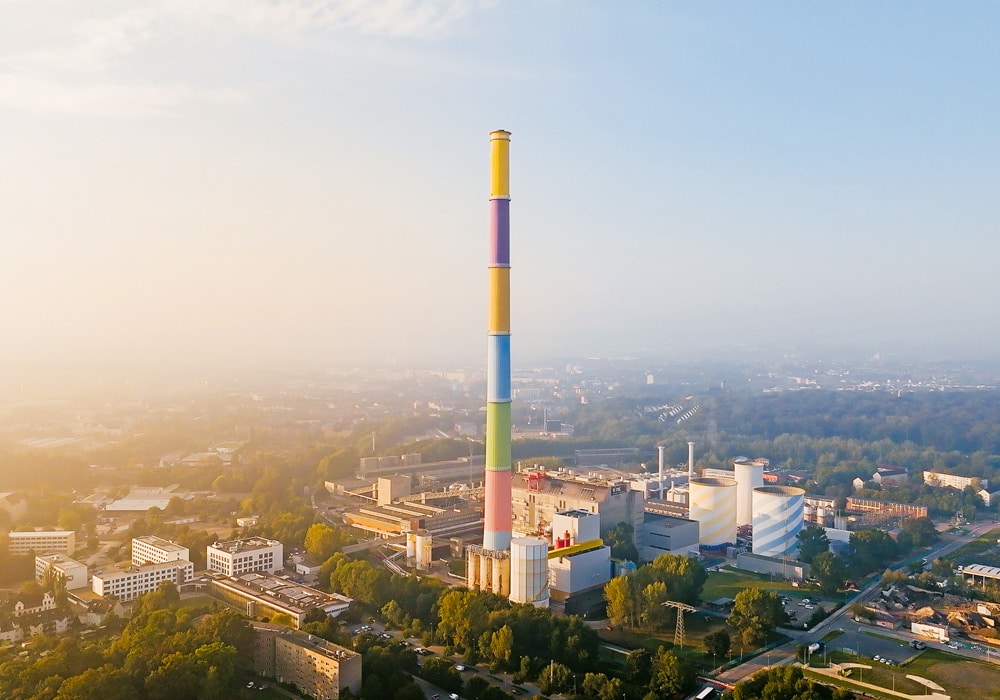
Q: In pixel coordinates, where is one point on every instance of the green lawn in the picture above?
(727, 583)
(960, 677)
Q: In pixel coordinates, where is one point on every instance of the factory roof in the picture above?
(561, 485)
(283, 592)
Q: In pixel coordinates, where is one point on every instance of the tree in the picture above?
(322, 541)
(756, 612)
(501, 645)
(921, 531)
(621, 539)
(812, 541)
(639, 667)
(620, 596)
(671, 677)
(717, 643)
(871, 549)
(830, 570)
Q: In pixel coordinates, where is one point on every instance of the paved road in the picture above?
(841, 619)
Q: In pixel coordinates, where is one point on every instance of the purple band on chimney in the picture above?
(500, 232)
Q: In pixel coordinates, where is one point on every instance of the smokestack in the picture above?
(662, 449)
(690, 460)
(496, 534)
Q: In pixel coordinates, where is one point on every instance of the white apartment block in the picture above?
(151, 549)
(242, 556)
(953, 481)
(69, 570)
(128, 584)
(45, 541)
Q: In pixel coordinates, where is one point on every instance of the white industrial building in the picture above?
(242, 556)
(663, 534)
(713, 506)
(72, 572)
(128, 584)
(749, 475)
(777, 520)
(580, 560)
(150, 549)
(529, 575)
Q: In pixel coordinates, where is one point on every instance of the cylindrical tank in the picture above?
(424, 546)
(777, 519)
(411, 547)
(749, 475)
(529, 571)
(713, 505)
(809, 512)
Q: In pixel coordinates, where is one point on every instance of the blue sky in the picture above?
(272, 182)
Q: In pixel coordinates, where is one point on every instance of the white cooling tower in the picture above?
(749, 475)
(529, 571)
(777, 519)
(713, 505)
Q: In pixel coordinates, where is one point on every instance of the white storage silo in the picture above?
(424, 546)
(749, 475)
(411, 548)
(777, 520)
(529, 571)
(713, 505)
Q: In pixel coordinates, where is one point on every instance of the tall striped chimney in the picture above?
(496, 535)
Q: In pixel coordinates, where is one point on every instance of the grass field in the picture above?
(962, 679)
(727, 583)
(982, 550)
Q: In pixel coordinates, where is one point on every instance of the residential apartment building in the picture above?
(316, 667)
(953, 481)
(151, 549)
(242, 556)
(128, 584)
(69, 570)
(43, 541)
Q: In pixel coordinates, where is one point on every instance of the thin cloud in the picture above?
(88, 75)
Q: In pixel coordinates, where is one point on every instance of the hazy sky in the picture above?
(281, 181)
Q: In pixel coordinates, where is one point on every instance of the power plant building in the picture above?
(537, 495)
(713, 506)
(529, 571)
(579, 560)
(777, 520)
(663, 534)
(749, 475)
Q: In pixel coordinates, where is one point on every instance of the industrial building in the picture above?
(579, 560)
(150, 549)
(72, 572)
(537, 495)
(394, 519)
(777, 520)
(241, 556)
(44, 541)
(665, 534)
(316, 667)
(258, 594)
(713, 505)
(129, 583)
(785, 567)
(749, 475)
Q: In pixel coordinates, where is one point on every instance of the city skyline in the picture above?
(282, 183)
